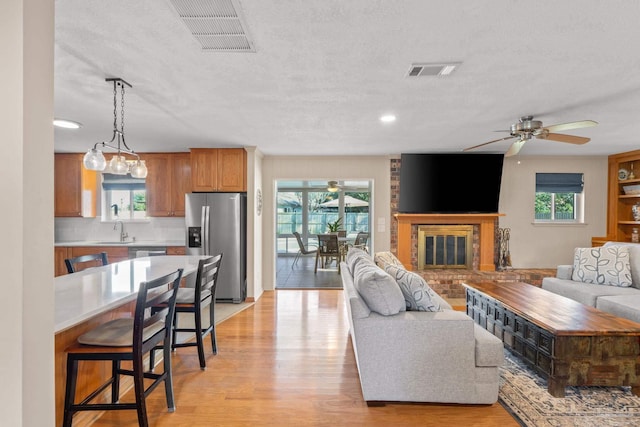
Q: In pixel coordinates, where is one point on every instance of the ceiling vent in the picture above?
(217, 25)
(424, 70)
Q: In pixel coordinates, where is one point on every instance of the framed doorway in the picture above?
(307, 207)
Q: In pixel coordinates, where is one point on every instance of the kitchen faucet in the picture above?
(123, 235)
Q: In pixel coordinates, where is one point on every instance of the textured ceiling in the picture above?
(323, 71)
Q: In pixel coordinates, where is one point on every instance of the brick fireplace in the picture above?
(408, 225)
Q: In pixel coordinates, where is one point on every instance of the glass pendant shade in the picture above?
(94, 160)
(139, 169)
(118, 165)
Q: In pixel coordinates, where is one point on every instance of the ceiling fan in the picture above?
(333, 187)
(527, 128)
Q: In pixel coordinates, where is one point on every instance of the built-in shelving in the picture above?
(620, 221)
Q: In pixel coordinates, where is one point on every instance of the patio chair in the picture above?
(302, 250)
(328, 251)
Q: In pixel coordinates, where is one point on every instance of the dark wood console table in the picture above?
(566, 342)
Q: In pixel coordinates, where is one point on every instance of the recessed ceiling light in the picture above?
(388, 118)
(67, 124)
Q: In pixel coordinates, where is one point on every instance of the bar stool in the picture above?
(94, 259)
(128, 339)
(193, 300)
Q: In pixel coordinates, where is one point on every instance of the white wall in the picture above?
(546, 246)
(531, 245)
(254, 224)
(26, 111)
(327, 168)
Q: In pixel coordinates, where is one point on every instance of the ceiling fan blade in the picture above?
(571, 139)
(515, 148)
(490, 142)
(571, 125)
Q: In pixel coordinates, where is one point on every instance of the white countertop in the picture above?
(145, 243)
(82, 295)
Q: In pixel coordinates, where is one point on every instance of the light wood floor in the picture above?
(288, 361)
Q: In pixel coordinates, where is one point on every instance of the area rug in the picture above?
(524, 394)
(223, 311)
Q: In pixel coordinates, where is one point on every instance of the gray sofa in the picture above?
(621, 301)
(415, 356)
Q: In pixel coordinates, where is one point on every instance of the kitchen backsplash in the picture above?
(91, 229)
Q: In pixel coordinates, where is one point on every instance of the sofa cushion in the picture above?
(627, 306)
(378, 289)
(417, 294)
(585, 293)
(605, 265)
(382, 259)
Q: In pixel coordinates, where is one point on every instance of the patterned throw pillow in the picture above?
(418, 296)
(382, 259)
(605, 265)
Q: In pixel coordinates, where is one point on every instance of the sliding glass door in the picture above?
(309, 206)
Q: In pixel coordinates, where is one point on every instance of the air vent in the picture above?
(217, 25)
(424, 70)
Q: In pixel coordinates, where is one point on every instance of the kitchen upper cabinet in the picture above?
(75, 187)
(219, 169)
(168, 179)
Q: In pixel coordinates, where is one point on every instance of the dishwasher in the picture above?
(140, 251)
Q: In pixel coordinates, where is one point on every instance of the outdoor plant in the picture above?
(335, 225)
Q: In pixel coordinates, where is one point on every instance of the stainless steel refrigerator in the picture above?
(217, 222)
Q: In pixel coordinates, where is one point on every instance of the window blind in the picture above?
(559, 182)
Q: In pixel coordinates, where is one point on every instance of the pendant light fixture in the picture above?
(119, 165)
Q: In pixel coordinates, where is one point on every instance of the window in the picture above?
(124, 197)
(559, 197)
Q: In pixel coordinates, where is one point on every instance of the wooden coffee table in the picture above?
(565, 341)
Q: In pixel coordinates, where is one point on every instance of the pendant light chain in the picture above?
(115, 106)
(122, 108)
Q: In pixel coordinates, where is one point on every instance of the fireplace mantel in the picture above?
(486, 223)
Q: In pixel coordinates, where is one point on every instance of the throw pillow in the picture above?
(355, 255)
(418, 295)
(378, 290)
(605, 265)
(382, 259)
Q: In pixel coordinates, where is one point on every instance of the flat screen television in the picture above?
(450, 183)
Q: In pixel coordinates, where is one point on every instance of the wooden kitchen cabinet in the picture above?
(168, 179)
(114, 254)
(60, 254)
(176, 250)
(219, 169)
(75, 187)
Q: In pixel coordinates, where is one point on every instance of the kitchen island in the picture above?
(88, 298)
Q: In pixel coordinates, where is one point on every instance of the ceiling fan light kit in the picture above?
(527, 128)
(333, 187)
(94, 158)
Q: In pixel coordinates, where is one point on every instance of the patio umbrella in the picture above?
(348, 201)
